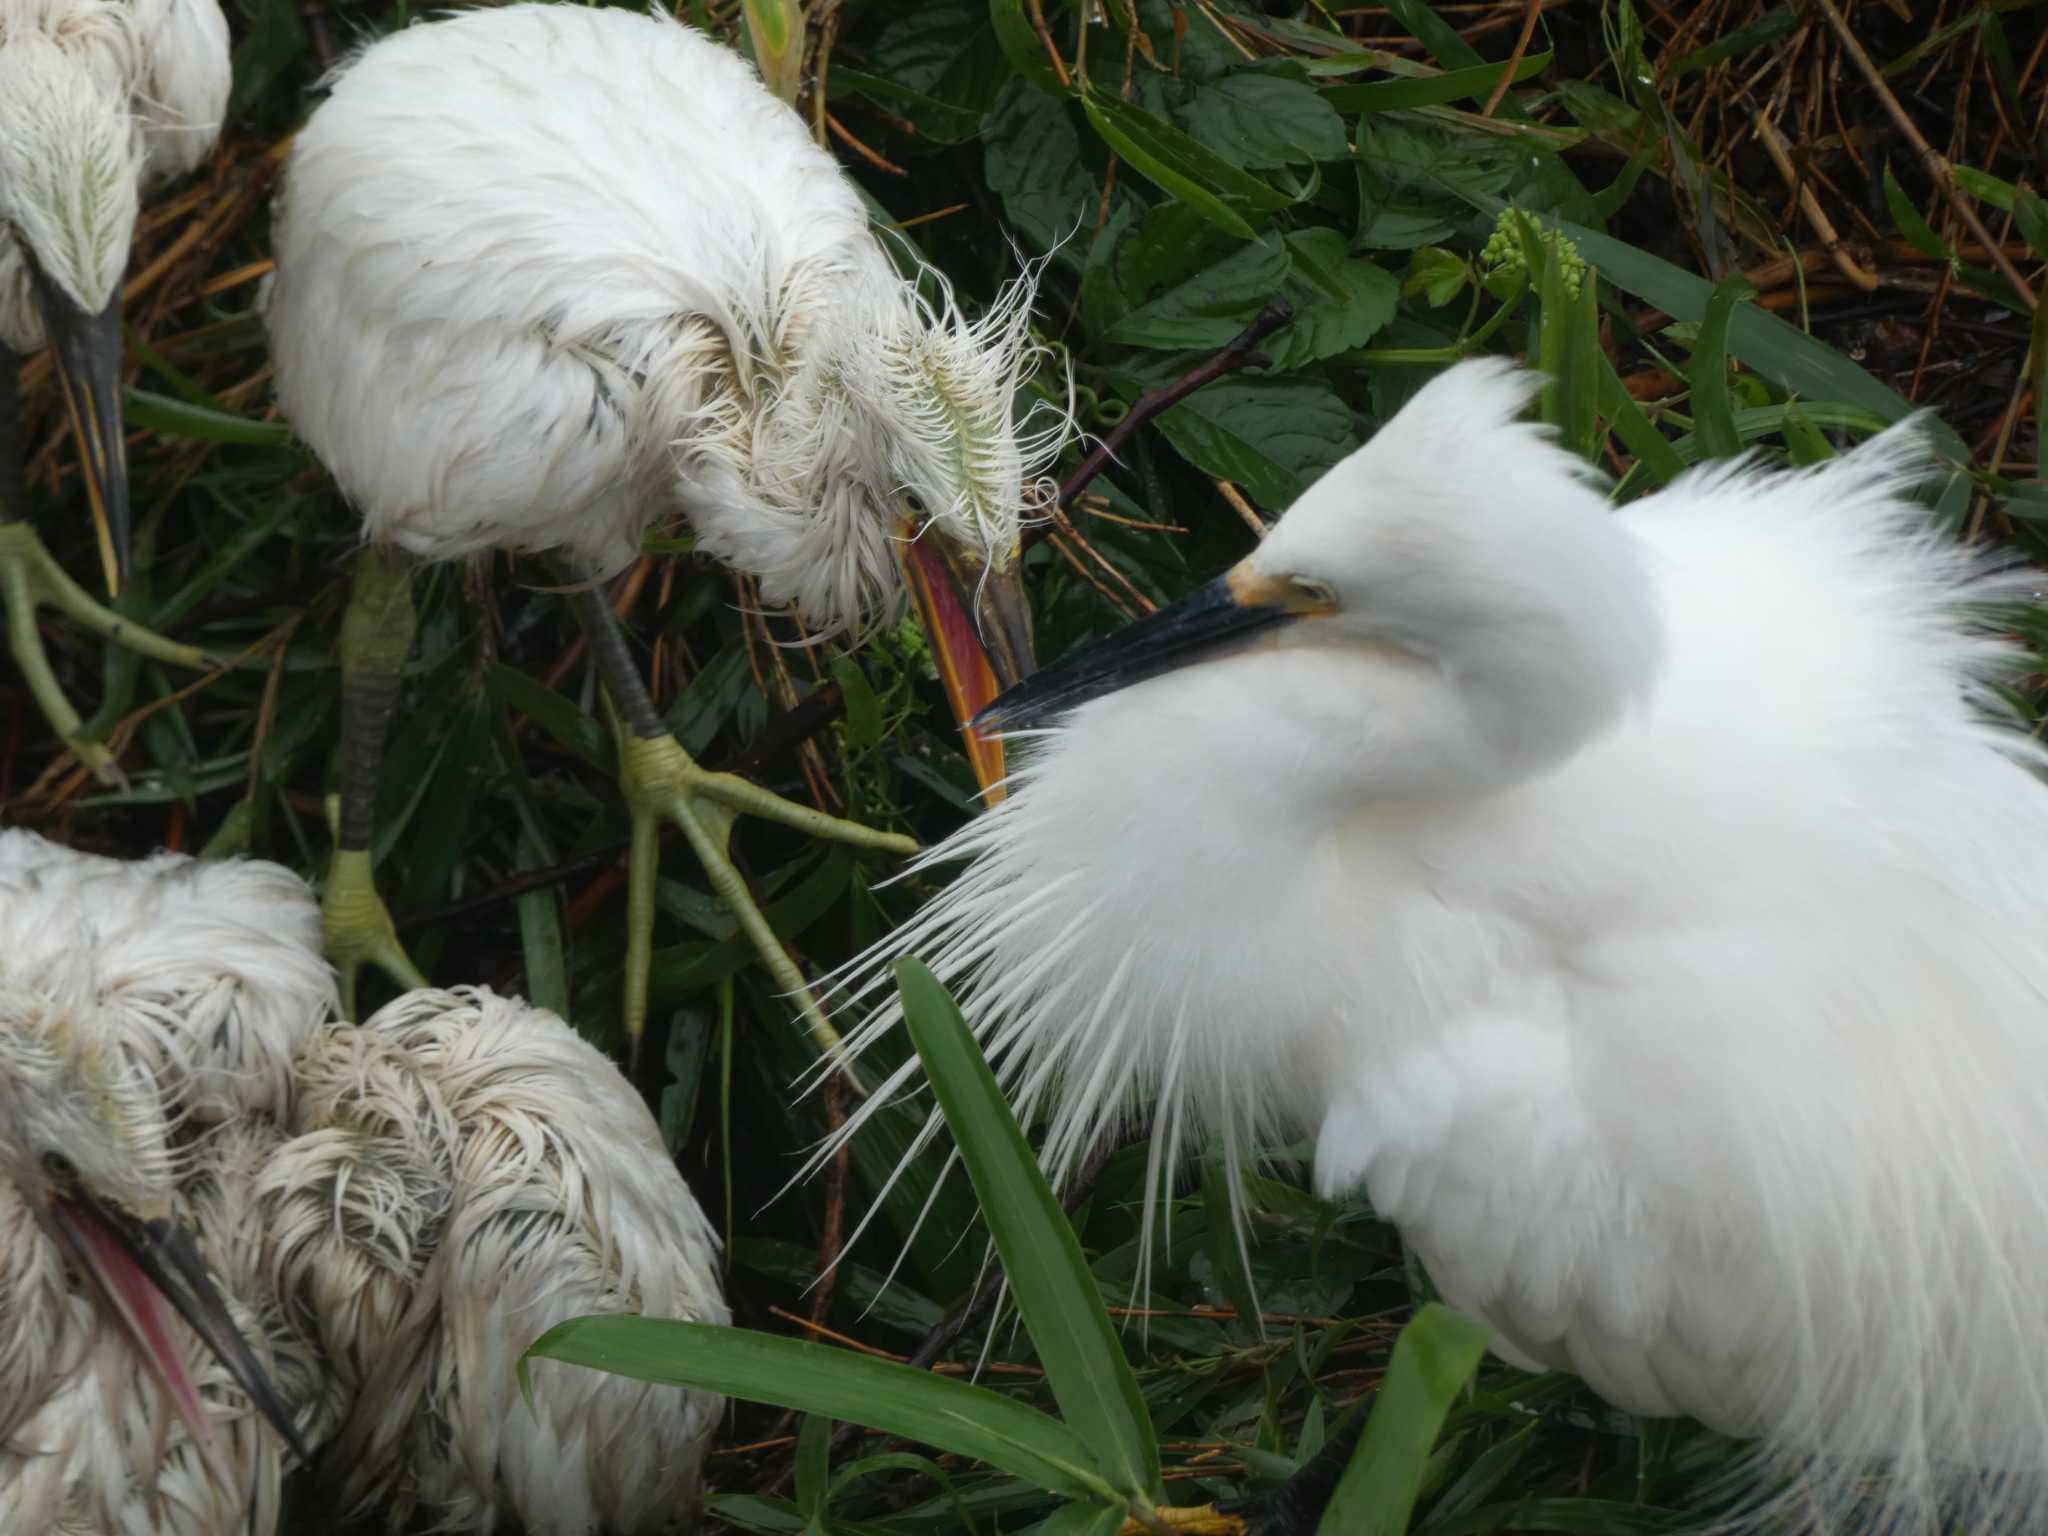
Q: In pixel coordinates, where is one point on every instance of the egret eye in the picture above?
(914, 501)
(1319, 593)
(60, 1168)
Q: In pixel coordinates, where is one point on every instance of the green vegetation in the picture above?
(1592, 191)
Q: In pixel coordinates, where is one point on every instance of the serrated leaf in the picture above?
(1272, 437)
(1212, 305)
(1340, 301)
(1031, 153)
(1259, 121)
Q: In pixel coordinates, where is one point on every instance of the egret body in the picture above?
(138, 1003)
(463, 1173)
(509, 316)
(99, 101)
(1644, 908)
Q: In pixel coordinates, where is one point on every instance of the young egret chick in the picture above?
(465, 1173)
(99, 100)
(510, 316)
(1644, 908)
(95, 1251)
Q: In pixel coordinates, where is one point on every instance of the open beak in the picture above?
(1230, 613)
(87, 352)
(137, 1265)
(979, 624)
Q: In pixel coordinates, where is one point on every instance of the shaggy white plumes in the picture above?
(98, 100)
(466, 1172)
(507, 317)
(1645, 909)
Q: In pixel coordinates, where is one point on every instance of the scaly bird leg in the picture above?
(661, 780)
(31, 579)
(376, 635)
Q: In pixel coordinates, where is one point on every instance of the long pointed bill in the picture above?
(979, 625)
(1230, 613)
(137, 1266)
(87, 352)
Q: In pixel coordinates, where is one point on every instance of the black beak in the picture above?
(1211, 622)
(167, 1257)
(87, 352)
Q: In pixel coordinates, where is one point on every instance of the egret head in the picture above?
(84, 1138)
(71, 156)
(968, 469)
(1456, 587)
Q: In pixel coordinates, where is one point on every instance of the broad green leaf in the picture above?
(1472, 84)
(1042, 1261)
(1650, 447)
(1084, 1520)
(1031, 154)
(1258, 121)
(1212, 305)
(942, 62)
(1340, 301)
(541, 939)
(1272, 437)
(1436, 276)
(836, 1383)
(1803, 439)
(813, 1468)
(1433, 1359)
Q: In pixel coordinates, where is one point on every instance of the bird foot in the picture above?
(30, 579)
(661, 782)
(356, 928)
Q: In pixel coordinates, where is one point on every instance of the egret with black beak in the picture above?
(1647, 909)
(99, 101)
(510, 316)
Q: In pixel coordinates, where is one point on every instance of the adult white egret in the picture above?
(509, 316)
(99, 100)
(465, 1173)
(138, 1002)
(1647, 909)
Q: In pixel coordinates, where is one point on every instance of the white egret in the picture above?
(1647, 909)
(99, 100)
(137, 1003)
(465, 1173)
(510, 316)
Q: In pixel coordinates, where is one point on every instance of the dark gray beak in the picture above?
(87, 351)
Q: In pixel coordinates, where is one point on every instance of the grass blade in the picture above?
(835, 1384)
(1713, 411)
(1083, 1360)
(1433, 1359)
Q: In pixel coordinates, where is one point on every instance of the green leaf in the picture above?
(1085, 1520)
(1022, 45)
(540, 935)
(1475, 83)
(942, 63)
(1031, 153)
(1212, 305)
(552, 713)
(1257, 121)
(1181, 166)
(1918, 232)
(813, 1468)
(1713, 411)
(1436, 276)
(1340, 301)
(179, 418)
(836, 1383)
(1433, 1359)
(1803, 439)
(1272, 437)
(1042, 1259)
(2030, 213)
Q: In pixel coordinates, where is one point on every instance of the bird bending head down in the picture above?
(509, 316)
(1644, 908)
(98, 100)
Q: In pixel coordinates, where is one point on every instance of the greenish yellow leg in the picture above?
(661, 782)
(376, 635)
